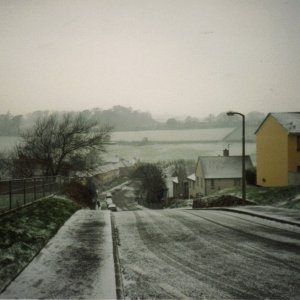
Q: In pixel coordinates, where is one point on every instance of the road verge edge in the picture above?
(118, 272)
(253, 214)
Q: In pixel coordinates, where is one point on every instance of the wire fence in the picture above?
(18, 192)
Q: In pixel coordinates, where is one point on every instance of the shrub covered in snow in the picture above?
(219, 201)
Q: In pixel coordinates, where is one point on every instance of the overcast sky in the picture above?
(175, 57)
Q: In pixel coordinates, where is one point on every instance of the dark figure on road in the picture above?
(92, 193)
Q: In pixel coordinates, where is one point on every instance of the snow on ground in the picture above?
(287, 214)
(76, 263)
(207, 255)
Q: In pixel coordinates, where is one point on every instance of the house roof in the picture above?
(129, 163)
(175, 180)
(192, 177)
(107, 168)
(290, 121)
(214, 167)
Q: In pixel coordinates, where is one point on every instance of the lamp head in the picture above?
(230, 113)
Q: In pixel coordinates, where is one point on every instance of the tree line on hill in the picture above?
(214, 121)
(126, 119)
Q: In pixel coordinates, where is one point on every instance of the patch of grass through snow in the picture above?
(25, 232)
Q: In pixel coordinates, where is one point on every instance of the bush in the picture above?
(79, 193)
(219, 201)
(152, 183)
(251, 176)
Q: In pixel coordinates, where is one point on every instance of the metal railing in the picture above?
(18, 192)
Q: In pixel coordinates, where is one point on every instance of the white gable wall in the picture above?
(214, 185)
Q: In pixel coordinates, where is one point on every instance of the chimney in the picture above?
(226, 152)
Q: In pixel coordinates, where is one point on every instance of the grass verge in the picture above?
(25, 232)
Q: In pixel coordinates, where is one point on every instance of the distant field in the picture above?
(155, 152)
(195, 135)
(8, 142)
(236, 134)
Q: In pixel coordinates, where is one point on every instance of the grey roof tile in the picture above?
(290, 121)
(223, 167)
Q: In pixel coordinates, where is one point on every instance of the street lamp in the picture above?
(231, 113)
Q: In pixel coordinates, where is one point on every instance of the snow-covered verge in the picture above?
(179, 203)
(286, 197)
(25, 232)
(219, 201)
(77, 263)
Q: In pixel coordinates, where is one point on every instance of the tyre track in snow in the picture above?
(179, 262)
(240, 280)
(287, 246)
(248, 258)
(237, 215)
(250, 252)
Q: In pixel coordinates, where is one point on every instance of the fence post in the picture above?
(10, 194)
(52, 184)
(43, 185)
(34, 189)
(24, 190)
(60, 184)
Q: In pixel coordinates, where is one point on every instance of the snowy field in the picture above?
(165, 152)
(155, 151)
(212, 134)
(7, 143)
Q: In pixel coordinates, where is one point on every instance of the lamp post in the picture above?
(231, 113)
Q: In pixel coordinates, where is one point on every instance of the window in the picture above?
(212, 183)
(298, 142)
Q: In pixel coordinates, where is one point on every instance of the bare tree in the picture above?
(55, 143)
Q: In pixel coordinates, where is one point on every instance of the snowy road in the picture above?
(170, 253)
(207, 254)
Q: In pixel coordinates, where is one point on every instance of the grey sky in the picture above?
(182, 57)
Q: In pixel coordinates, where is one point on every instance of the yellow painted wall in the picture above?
(294, 155)
(272, 154)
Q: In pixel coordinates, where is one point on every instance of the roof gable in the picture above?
(192, 177)
(289, 121)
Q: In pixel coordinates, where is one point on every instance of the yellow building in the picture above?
(278, 150)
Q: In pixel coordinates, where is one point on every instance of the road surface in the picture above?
(177, 253)
(165, 254)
